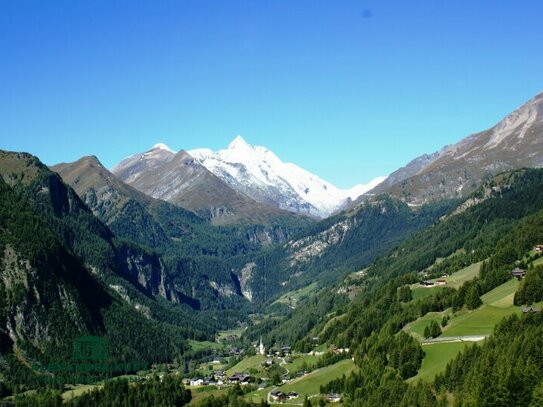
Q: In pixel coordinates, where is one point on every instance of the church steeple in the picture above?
(261, 348)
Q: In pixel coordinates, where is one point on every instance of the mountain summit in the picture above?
(178, 178)
(456, 170)
(258, 173)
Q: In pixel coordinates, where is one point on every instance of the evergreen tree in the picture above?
(473, 301)
(531, 289)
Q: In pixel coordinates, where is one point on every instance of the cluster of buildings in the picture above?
(440, 281)
(260, 349)
(219, 379)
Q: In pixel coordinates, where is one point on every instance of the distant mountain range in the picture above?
(244, 181)
(234, 181)
(260, 174)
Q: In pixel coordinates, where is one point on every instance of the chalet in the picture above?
(528, 310)
(262, 386)
(539, 248)
(268, 362)
(426, 283)
(441, 282)
(444, 275)
(518, 273)
(241, 378)
(196, 382)
(278, 395)
(286, 350)
(293, 395)
(333, 397)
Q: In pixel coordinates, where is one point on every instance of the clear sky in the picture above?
(349, 90)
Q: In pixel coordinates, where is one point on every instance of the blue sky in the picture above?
(347, 89)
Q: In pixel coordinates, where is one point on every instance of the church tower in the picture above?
(261, 348)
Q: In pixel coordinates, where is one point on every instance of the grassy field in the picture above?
(197, 345)
(478, 322)
(497, 304)
(258, 395)
(310, 384)
(298, 362)
(79, 390)
(231, 332)
(455, 280)
(416, 328)
(538, 261)
(502, 296)
(436, 358)
(419, 292)
(246, 364)
(293, 297)
(321, 348)
(198, 394)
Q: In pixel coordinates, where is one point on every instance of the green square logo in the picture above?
(90, 348)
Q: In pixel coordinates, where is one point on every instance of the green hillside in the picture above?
(310, 384)
(497, 304)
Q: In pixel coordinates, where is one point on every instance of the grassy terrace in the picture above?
(497, 304)
(293, 297)
(252, 362)
(455, 280)
(78, 390)
(204, 345)
(436, 359)
(416, 328)
(299, 361)
(198, 394)
(310, 384)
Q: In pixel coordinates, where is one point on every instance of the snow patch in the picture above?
(259, 173)
(162, 146)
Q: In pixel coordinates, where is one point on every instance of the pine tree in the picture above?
(473, 300)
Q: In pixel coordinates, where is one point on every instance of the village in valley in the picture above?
(276, 375)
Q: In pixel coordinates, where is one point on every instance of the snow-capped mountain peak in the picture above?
(239, 143)
(162, 146)
(260, 174)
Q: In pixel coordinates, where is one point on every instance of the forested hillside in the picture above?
(500, 224)
(64, 276)
(334, 246)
